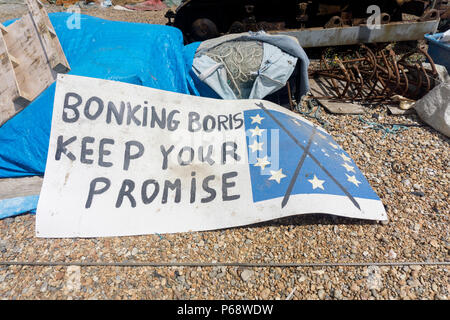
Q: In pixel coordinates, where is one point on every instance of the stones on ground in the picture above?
(398, 167)
(2, 246)
(337, 294)
(321, 294)
(246, 274)
(434, 243)
(392, 254)
(354, 287)
(374, 280)
(73, 280)
(265, 293)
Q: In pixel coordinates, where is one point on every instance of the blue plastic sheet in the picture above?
(136, 53)
(15, 206)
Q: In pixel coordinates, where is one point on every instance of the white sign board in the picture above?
(131, 160)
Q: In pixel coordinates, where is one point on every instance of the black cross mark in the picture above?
(297, 170)
(306, 152)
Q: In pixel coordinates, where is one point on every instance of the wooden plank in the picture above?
(30, 57)
(9, 88)
(33, 73)
(50, 41)
(14, 61)
(20, 187)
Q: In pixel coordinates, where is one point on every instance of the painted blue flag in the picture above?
(289, 156)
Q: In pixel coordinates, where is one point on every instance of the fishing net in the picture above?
(241, 60)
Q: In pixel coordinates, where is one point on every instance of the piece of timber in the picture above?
(50, 41)
(9, 88)
(30, 58)
(33, 73)
(20, 187)
(394, 31)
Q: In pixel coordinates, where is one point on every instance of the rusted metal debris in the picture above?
(377, 75)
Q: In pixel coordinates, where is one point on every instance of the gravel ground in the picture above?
(408, 170)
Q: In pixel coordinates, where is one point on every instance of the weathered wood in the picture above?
(9, 88)
(50, 41)
(14, 61)
(30, 58)
(20, 187)
(33, 73)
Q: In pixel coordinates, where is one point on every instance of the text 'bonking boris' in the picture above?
(142, 115)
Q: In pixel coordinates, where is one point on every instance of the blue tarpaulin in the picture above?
(142, 54)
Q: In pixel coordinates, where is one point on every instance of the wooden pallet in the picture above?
(30, 58)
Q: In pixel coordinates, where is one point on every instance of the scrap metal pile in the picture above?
(376, 75)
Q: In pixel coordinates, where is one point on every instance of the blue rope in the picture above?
(311, 105)
(379, 127)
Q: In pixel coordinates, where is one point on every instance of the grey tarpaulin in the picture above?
(280, 55)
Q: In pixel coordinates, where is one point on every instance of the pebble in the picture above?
(354, 287)
(321, 294)
(434, 287)
(337, 294)
(265, 293)
(406, 182)
(246, 274)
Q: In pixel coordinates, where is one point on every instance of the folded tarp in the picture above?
(136, 53)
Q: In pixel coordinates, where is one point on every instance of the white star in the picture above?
(296, 122)
(256, 146)
(353, 180)
(257, 119)
(348, 167)
(257, 131)
(277, 175)
(262, 162)
(317, 183)
(333, 145)
(345, 158)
